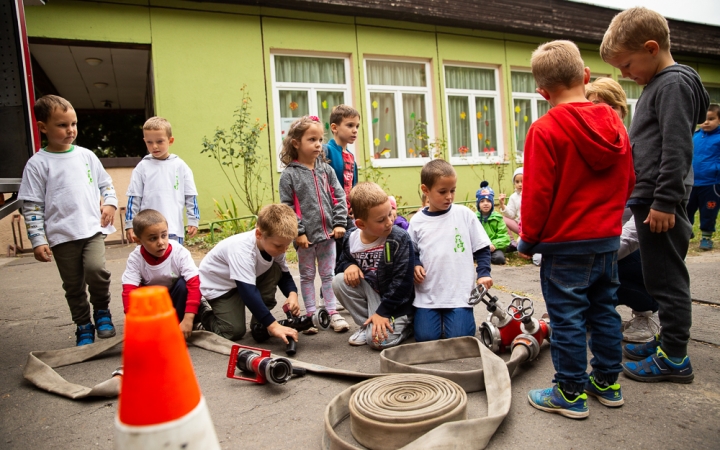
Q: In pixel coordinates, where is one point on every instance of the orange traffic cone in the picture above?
(160, 401)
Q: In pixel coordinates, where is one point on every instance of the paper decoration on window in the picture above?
(324, 104)
(385, 152)
(463, 150)
(387, 137)
(411, 152)
(517, 109)
(387, 110)
(486, 150)
(376, 142)
(293, 106)
(377, 155)
(487, 123)
(327, 126)
(480, 136)
(479, 115)
(375, 104)
(487, 141)
(412, 116)
(463, 115)
(485, 107)
(376, 120)
(516, 124)
(525, 119)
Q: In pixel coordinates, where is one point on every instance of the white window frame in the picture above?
(402, 160)
(312, 89)
(476, 156)
(533, 97)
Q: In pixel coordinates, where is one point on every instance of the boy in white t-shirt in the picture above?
(162, 182)
(246, 270)
(61, 189)
(374, 273)
(448, 239)
(156, 262)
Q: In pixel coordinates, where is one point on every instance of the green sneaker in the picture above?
(553, 400)
(610, 396)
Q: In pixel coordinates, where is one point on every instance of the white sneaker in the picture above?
(359, 337)
(642, 327)
(310, 331)
(537, 259)
(338, 323)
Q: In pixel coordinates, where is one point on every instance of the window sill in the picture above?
(409, 162)
(474, 160)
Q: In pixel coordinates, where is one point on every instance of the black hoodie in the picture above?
(668, 109)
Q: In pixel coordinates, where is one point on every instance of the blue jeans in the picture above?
(707, 200)
(177, 238)
(432, 324)
(581, 290)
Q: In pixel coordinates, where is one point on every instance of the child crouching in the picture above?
(493, 223)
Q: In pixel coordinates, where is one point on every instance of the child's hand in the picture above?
(42, 253)
(191, 231)
(524, 256)
(130, 235)
(660, 221)
(381, 327)
(501, 201)
(492, 248)
(302, 241)
(186, 325)
(108, 215)
(485, 281)
(338, 232)
(419, 274)
(279, 331)
(353, 275)
(292, 302)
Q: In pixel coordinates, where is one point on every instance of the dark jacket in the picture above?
(333, 152)
(668, 109)
(395, 273)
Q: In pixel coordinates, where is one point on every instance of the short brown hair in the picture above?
(714, 108)
(45, 105)
(158, 123)
(610, 92)
(631, 29)
(278, 220)
(435, 169)
(341, 112)
(297, 130)
(146, 218)
(364, 196)
(557, 63)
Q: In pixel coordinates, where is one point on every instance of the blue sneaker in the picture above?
(706, 244)
(636, 352)
(103, 323)
(610, 396)
(553, 400)
(658, 367)
(85, 334)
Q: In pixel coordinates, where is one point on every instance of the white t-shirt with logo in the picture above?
(178, 264)
(368, 257)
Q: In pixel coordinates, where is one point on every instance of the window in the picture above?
(398, 101)
(307, 85)
(528, 106)
(632, 92)
(473, 108)
(714, 92)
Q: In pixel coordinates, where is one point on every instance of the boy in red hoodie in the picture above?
(578, 174)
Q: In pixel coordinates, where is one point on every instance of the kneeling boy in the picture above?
(374, 273)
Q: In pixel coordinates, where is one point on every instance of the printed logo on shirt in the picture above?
(177, 180)
(369, 261)
(89, 174)
(459, 244)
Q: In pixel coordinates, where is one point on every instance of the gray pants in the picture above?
(81, 265)
(227, 318)
(361, 302)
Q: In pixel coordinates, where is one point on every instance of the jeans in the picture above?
(632, 292)
(581, 290)
(432, 324)
(707, 200)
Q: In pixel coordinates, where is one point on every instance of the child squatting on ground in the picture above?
(157, 262)
(578, 176)
(162, 182)
(309, 185)
(638, 43)
(61, 189)
(511, 212)
(705, 195)
(246, 270)
(492, 222)
(448, 239)
(375, 272)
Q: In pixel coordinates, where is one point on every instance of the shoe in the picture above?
(642, 327)
(658, 367)
(311, 331)
(85, 334)
(552, 400)
(511, 248)
(338, 323)
(103, 323)
(610, 396)
(636, 352)
(393, 339)
(359, 337)
(537, 259)
(706, 244)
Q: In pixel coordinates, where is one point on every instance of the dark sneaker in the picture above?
(85, 334)
(636, 352)
(706, 244)
(610, 396)
(553, 400)
(658, 367)
(103, 323)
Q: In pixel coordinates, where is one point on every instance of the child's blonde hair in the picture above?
(297, 130)
(557, 63)
(610, 92)
(146, 218)
(631, 29)
(435, 169)
(158, 123)
(341, 112)
(45, 105)
(278, 220)
(364, 196)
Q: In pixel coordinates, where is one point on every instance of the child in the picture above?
(578, 168)
(397, 220)
(492, 222)
(61, 187)
(638, 43)
(156, 262)
(609, 92)
(705, 194)
(511, 212)
(447, 239)
(162, 182)
(309, 185)
(247, 269)
(375, 272)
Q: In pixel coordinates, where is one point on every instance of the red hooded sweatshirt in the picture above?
(578, 175)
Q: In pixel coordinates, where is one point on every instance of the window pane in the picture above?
(523, 118)
(470, 78)
(458, 109)
(396, 73)
(486, 126)
(714, 94)
(631, 88)
(297, 69)
(522, 82)
(542, 108)
(326, 102)
(413, 113)
(293, 104)
(384, 131)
